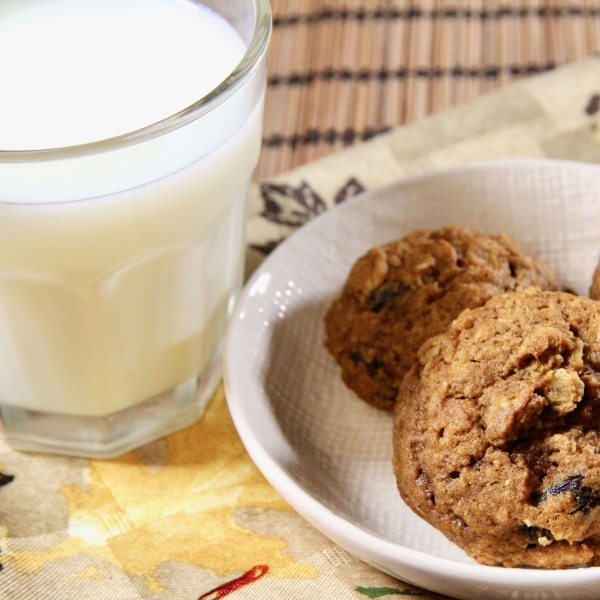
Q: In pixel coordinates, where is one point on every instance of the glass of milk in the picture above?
(129, 130)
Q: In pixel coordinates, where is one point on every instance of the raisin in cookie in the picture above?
(399, 295)
(497, 431)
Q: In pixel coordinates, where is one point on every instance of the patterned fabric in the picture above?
(189, 517)
(554, 115)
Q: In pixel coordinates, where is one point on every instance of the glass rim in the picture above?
(242, 72)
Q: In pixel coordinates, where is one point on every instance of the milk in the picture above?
(117, 267)
(77, 71)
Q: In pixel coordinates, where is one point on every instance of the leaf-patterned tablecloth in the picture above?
(190, 517)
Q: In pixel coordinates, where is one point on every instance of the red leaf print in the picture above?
(251, 576)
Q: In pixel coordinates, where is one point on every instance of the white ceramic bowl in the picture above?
(328, 453)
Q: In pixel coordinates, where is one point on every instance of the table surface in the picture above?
(341, 71)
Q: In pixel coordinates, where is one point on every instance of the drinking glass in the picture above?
(120, 262)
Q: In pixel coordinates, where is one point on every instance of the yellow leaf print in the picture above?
(176, 502)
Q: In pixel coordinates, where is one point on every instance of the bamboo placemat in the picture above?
(342, 71)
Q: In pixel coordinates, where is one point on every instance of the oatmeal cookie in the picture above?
(497, 431)
(399, 295)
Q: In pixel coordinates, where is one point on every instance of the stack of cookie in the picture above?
(494, 377)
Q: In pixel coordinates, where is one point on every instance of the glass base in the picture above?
(114, 434)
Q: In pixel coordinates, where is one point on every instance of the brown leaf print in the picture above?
(5, 479)
(295, 206)
(267, 247)
(593, 105)
(292, 206)
(352, 188)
